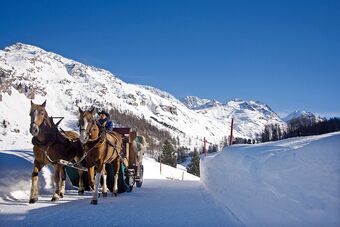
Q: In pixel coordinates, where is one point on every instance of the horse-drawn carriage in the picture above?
(112, 158)
(131, 171)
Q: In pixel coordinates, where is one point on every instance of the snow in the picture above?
(302, 114)
(153, 171)
(293, 182)
(157, 203)
(194, 102)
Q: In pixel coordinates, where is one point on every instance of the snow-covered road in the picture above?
(160, 201)
(157, 203)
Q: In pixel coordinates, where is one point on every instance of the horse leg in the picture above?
(104, 192)
(90, 172)
(81, 188)
(63, 181)
(56, 193)
(34, 186)
(115, 185)
(94, 200)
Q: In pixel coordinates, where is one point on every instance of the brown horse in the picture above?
(100, 148)
(49, 146)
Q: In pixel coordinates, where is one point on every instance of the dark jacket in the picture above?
(107, 123)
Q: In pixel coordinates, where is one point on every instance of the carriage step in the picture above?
(71, 164)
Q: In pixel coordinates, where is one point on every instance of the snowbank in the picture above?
(15, 175)
(152, 171)
(294, 182)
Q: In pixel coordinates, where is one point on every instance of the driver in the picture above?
(105, 121)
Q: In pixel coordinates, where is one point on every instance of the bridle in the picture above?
(89, 128)
(42, 125)
(44, 145)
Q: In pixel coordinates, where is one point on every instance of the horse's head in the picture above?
(87, 125)
(38, 115)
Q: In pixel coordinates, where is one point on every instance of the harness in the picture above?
(98, 142)
(53, 138)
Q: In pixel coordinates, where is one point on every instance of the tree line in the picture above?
(322, 127)
(300, 127)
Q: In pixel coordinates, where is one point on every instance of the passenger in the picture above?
(105, 120)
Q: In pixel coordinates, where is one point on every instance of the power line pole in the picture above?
(231, 132)
(205, 147)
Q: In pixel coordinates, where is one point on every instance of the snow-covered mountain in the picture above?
(28, 72)
(301, 114)
(195, 103)
(250, 117)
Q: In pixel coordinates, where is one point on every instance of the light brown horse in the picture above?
(100, 148)
(49, 146)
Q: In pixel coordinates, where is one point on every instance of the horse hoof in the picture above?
(33, 200)
(94, 202)
(54, 199)
(61, 195)
(115, 194)
(104, 194)
(81, 192)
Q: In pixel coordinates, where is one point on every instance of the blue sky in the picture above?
(283, 53)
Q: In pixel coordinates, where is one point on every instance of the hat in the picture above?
(104, 112)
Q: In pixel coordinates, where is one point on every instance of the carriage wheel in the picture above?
(140, 182)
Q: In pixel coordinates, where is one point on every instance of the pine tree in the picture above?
(169, 154)
(194, 166)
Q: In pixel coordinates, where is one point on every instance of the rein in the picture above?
(99, 143)
(87, 152)
(101, 140)
(48, 157)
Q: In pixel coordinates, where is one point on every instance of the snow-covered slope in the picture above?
(292, 182)
(194, 102)
(28, 72)
(301, 114)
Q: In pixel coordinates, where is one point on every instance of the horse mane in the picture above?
(48, 119)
